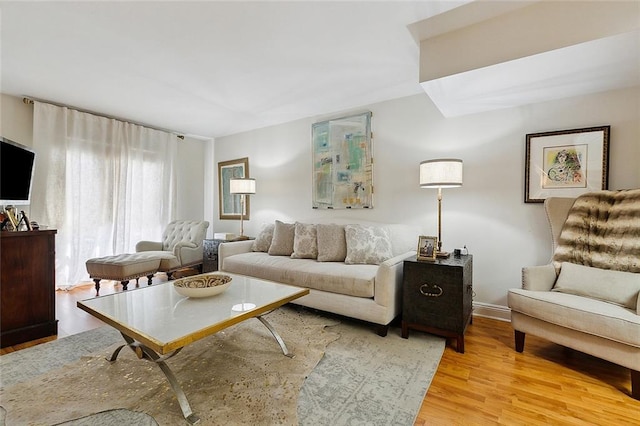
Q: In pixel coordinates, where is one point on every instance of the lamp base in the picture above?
(442, 254)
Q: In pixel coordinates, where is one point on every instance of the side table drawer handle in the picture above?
(431, 290)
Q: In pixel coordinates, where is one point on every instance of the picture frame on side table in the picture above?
(427, 247)
(229, 204)
(10, 212)
(566, 163)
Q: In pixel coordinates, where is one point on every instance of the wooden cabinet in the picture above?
(437, 297)
(27, 289)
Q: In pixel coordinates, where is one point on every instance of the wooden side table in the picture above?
(437, 297)
(210, 255)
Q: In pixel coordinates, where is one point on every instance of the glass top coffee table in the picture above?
(156, 322)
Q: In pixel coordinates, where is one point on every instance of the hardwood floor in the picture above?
(487, 385)
(546, 384)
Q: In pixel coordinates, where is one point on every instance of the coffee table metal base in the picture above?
(143, 352)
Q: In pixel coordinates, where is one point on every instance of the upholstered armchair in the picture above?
(181, 245)
(588, 297)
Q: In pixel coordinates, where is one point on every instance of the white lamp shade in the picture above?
(441, 173)
(242, 186)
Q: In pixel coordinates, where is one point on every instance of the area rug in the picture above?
(235, 377)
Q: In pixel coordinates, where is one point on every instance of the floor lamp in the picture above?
(242, 187)
(441, 173)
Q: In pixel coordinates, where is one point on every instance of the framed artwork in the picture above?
(566, 163)
(229, 204)
(343, 163)
(427, 247)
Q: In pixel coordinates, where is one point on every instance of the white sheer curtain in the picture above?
(102, 183)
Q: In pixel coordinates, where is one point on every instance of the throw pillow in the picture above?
(332, 243)
(620, 288)
(282, 241)
(367, 244)
(305, 244)
(263, 240)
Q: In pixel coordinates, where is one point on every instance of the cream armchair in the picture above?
(587, 298)
(181, 245)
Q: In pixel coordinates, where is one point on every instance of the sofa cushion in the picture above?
(351, 280)
(263, 240)
(579, 313)
(305, 241)
(367, 244)
(332, 244)
(283, 236)
(617, 287)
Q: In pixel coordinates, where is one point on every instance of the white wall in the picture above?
(16, 123)
(487, 214)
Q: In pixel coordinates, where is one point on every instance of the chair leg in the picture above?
(149, 279)
(635, 384)
(519, 338)
(169, 275)
(124, 284)
(97, 281)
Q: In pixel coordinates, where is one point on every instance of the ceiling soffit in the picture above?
(537, 52)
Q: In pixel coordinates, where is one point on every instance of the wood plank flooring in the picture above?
(490, 384)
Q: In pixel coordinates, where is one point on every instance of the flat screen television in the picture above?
(16, 172)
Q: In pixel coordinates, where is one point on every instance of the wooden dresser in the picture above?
(27, 288)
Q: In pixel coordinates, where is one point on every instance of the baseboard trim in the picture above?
(487, 310)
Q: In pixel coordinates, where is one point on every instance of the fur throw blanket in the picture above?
(603, 231)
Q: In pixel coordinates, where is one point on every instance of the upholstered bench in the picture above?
(124, 267)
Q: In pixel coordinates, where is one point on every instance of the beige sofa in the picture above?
(355, 270)
(588, 297)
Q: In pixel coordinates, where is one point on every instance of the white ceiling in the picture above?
(210, 69)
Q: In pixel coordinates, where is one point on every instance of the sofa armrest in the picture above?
(389, 281)
(538, 278)
(231, 248)
(148, 246)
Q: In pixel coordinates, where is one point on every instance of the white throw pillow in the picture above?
(332, 244)
(263, 240)
(620, 288)
(305, 243)
(282, 242)
(367, 244)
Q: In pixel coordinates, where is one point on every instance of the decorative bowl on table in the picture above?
(203, 285)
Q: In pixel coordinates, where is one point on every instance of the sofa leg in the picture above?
(382, 330)
(635, 384)
(519, 337)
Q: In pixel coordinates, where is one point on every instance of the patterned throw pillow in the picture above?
(332, 244)
(305, 244)
(263, 240)
(282, 242)
(369, 245)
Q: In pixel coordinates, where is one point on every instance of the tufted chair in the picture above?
(181, 245)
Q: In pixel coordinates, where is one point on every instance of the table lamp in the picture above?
(441, 173)
(242, 187)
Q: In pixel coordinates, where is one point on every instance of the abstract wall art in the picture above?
(343, 163)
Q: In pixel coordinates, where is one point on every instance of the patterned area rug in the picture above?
(235, 377)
